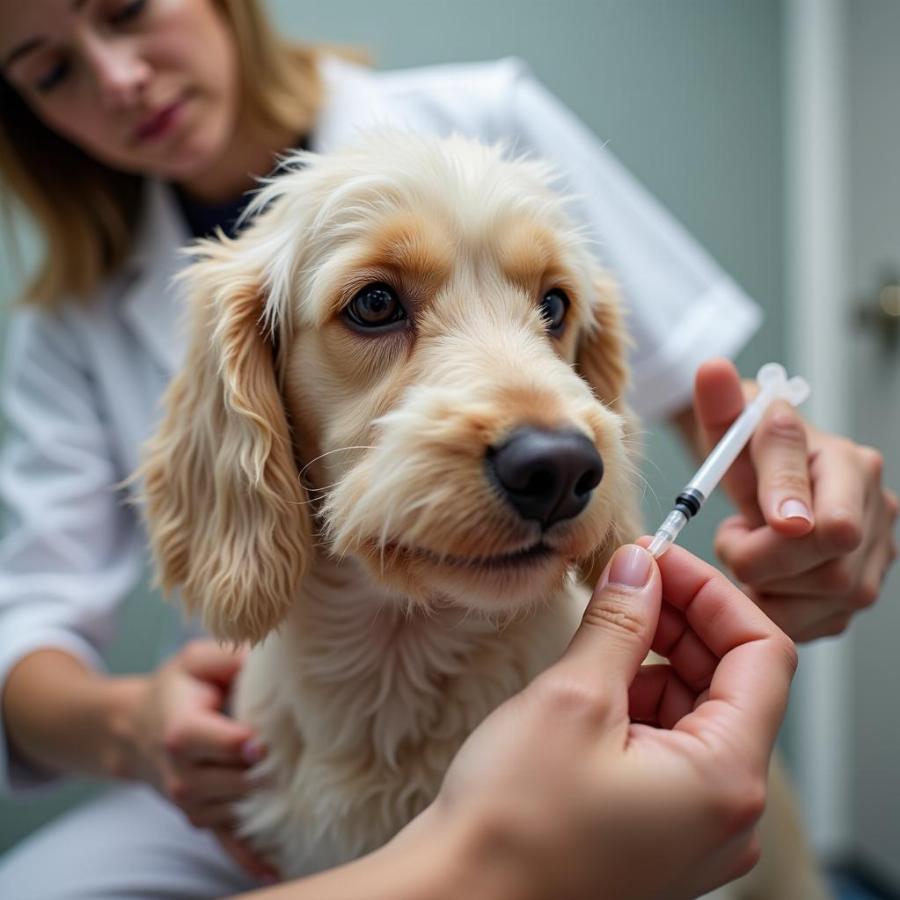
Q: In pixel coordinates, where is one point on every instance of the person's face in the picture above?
(146, 86)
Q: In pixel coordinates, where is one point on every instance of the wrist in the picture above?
(462, 855)
(119, 705)
(64, 717)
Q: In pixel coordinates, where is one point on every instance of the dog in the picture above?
(396, 453)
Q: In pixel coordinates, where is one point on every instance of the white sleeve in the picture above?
(70, 550)
(682, 308)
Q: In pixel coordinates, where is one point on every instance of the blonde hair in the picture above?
(88, 212)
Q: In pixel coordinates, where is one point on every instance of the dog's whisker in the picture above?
(654, 466)
(335, 450)
(319, 492)
(643, 485)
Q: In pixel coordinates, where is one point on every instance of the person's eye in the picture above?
(554, 307)
(375, 306)
(127, 11)
(52, 76)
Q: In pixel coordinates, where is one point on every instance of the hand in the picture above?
(606, 778)
(813, 539)
(191, 752)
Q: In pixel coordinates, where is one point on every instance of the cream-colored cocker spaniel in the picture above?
(399, 433)
(399, 429)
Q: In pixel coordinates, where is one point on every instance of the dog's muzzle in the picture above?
(547, 476)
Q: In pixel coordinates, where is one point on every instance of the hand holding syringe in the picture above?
(773, 385)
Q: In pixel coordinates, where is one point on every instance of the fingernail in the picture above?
(630, 567)
(794, 509)
(252, 751)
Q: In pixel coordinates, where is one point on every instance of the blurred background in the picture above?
(771, 129)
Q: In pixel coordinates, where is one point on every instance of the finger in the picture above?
(748, 692)
(747, 699)
(835, 578)
(781, 458)
(246, 857)
(805, 618)
(691, 659)
(718, 401)
(841, 489)
(875, 571)
(658, 697)
(833, 626)
(213, 737)
(760, 556)
(892, 503)
(822, 602)
(210, 661)
(619, 622)
(200, 785)
(718, 613)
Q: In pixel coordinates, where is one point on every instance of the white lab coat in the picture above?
(82, 384)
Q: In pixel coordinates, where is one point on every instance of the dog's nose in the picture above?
(546, 475)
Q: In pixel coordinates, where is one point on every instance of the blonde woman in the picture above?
(126, 126)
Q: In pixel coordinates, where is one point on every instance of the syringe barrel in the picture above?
(729, 447)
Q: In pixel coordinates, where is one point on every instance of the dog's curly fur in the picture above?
(320, 489)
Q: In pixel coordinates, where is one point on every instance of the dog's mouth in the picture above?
(517, 559)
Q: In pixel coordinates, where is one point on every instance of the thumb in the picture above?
(619, 622)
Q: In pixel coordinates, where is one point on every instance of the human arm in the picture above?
(166, 729)
(646, 764)
(814, 535)
(156, 728)
(71, 551)
(62, 716)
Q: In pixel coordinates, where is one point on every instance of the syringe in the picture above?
(773, 385)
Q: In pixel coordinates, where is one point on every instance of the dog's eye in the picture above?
(375, 306)
(554, 307)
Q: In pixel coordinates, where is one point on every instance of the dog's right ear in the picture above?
(226, 512)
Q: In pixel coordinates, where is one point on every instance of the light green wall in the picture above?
(686, 93)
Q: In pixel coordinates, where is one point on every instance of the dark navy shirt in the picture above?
(203, 218)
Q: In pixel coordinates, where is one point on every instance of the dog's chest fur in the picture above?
(362, 706)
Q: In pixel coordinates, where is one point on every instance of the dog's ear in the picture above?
(601, 360)
(226, 512)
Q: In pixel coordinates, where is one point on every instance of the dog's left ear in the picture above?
(225, 509)
(601, 360)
